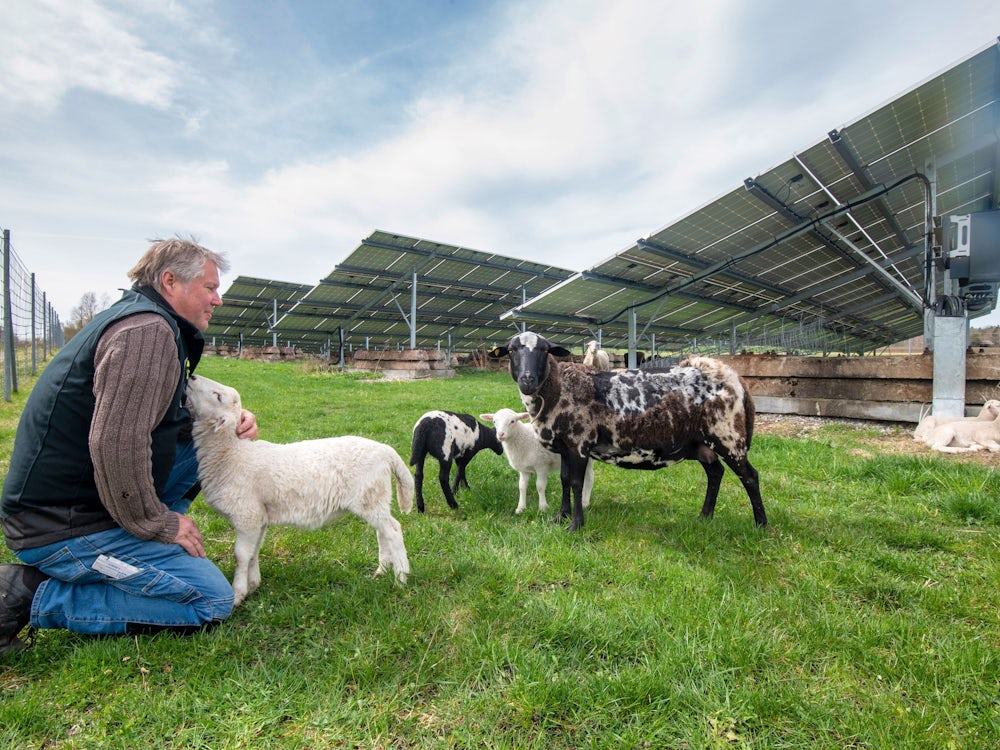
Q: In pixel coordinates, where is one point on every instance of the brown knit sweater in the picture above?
(136, 374)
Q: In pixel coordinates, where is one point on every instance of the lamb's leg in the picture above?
(588, 482)
(248, 543)
(460, 481)
(388, 532)
(418, 483)
(253, 573)
(444, 475)
(541, 479)
(941, 439)
(523, 477)
(971, 448)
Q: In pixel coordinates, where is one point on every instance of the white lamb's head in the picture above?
(505, 421)
(592, 346)
(213, 404)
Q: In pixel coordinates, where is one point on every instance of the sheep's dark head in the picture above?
(529, 360)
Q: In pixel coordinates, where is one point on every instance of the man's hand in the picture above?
(247, 428)
(189, 536)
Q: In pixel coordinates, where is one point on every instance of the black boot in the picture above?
(192, 493)
(138, 628)
(18, 584)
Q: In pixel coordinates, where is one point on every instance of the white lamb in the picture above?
(965, 436)
(527, 456)
(989, 412)
(255, 484)
(597, 358)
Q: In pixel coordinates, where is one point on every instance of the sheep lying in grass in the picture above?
(989, 412)
(698, 410)
(596, 357)
(527, 456)
(450, 438)
(256, 484)
(966, 435)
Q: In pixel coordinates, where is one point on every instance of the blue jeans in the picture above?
(137, 582)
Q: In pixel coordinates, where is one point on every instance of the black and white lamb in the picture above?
(450, 438)
(635, 419)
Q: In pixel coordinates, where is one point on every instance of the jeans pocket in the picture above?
(160, 584)
(66, 566)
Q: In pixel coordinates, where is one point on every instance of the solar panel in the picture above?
(368, 300)
(249, 310)
(833, 239)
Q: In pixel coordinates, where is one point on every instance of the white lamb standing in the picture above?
(597, 358)
(255, 484)
(527, 456)
(989, 412)
(965, 436)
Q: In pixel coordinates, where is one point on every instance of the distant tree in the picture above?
(84, 312)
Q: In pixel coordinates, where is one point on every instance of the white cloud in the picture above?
(51, 47)
(573, 111)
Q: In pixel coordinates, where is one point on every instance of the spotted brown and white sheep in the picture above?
(526, 455)
(255, 484)
(635, 419)
(450, 438)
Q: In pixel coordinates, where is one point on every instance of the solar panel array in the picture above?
(827, 250)
(367, 301)
(831, 241)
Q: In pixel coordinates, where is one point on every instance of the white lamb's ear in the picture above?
(486, 417)
(524, 416)
(220, 423)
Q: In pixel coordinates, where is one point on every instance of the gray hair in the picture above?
(186, 258)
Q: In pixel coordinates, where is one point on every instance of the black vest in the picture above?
(50, 493)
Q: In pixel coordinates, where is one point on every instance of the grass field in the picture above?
(866, 616)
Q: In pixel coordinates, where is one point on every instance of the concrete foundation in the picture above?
(950, 338)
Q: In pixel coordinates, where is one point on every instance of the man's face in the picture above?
(194, 301)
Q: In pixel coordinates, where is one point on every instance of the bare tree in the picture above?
(84, 312)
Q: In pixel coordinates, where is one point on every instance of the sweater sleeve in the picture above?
(135, 376)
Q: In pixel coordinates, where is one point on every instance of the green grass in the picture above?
(866, 616)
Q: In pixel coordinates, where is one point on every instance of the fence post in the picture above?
(34, 329)
(47, 326)
(10, 356)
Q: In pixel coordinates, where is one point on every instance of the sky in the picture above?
(283, 133)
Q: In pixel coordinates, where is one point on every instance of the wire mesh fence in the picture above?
(31, 330)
